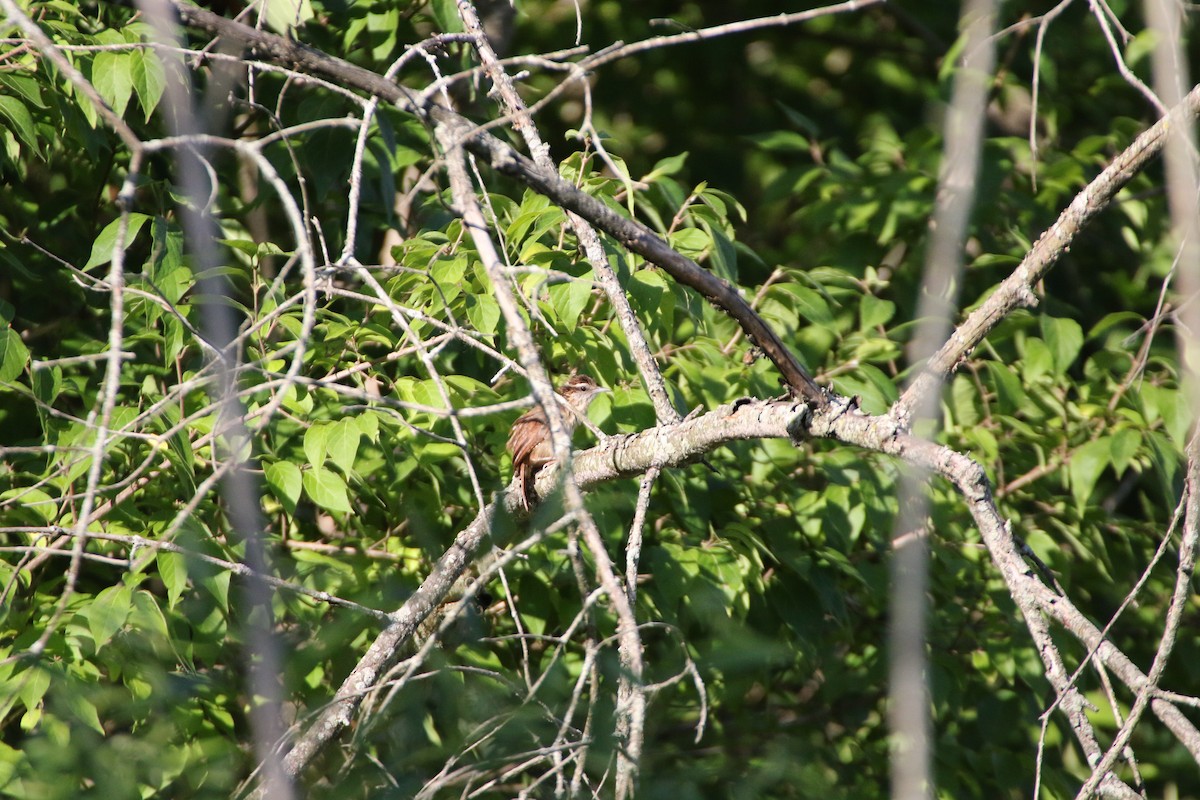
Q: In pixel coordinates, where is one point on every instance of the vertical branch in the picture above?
(630, 709)
(431, 369)
(605, 274)
(1171, 80)
(238, 487)
(100, 416)
(1179, 601)
(630, 714)
(912, 778)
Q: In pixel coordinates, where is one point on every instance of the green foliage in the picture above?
(791, 163)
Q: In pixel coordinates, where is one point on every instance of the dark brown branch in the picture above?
(641, 240)
(504, 159)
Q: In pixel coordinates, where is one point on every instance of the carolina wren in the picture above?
(529, 438)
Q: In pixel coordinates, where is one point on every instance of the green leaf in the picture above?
(810, 305)
(343, 444)
(33, 683)
(622, 170)
(28, 88)
(570, 298)
(1009, 393)
(1037, 361)
(446, 14)
(316, 443)
(327, 489)
(692, 242)
(1127, 320)
(107, 612)
(1125, 444)
(147, 616)
(285, 482)
(484, 313)
(724, 254)
(448, 274)
(671, 165)
(1176, 412)
(39, 505)
(647, 288)
(14, 355)
(874, 312)
(285, 15)
(876, 389)
(218, 586)
(1087, 463)
(962, 402)
(172, 570)
(1064, 337)
(149, 79)
(47, 383)
(81, 708)
(102, 248)
(20, 121)
(801, 121)
(368, 425)
(112, 75)
(781, 142)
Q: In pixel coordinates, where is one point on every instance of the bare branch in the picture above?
(743, 26)
(630, 233)
(588, 237)
(908, 691)
(1017, 289)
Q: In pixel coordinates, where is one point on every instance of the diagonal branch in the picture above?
(504, 159)
(1017, 289)
(669, 445)
(592, 247)
(685, 442)
(627, 631)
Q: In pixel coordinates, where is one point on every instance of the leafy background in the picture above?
(791, 161)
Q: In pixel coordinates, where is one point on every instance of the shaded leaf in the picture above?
(107, 612)
(1087, 463)
(102, 248)
(20, 121)
(1064, 337)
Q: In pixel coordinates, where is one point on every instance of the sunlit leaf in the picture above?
(327, 489)
(343, 444)
(112, 75)
(285, 482)
(13, 354)
(1087, 463)
(102, 248)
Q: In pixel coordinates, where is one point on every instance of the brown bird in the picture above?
(529, 438)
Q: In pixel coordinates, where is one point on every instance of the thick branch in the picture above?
(685, 442)
(617, 456)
